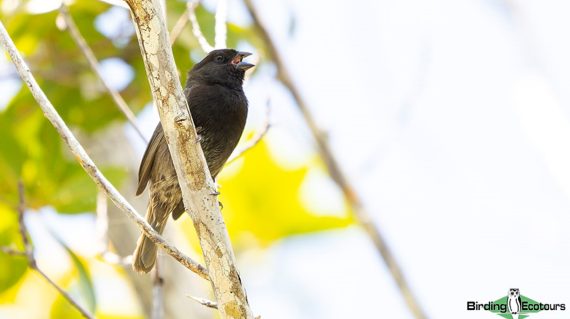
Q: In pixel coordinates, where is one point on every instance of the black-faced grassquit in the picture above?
(219, 109)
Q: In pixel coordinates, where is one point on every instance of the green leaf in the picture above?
(12, 268)
(263, 200)
(86, 287)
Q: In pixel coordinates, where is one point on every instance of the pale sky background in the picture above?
(451, 117)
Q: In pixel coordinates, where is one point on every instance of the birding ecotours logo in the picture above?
(514, 306)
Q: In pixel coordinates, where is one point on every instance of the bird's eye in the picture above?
(219, 58)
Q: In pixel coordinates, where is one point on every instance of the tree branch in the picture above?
(204, 302)
(29, 254)
(197, 186)
(363, 217)
(190, 15)
(179, 25)
(220, 28)
(86, 162)
(102, 231)
(12, 251)
(196, 30)
(94, 64)
(157, 293)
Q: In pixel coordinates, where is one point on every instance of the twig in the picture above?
(102, 231)
(29, 253)
(179, 26)
(363, 217)
(196, 184)
(209, 303)
(102, 221)
(63, 293)
(196, 30)
(256, 138)
(94, 64)
(220, 28)
(163, 8)
(13, 252)
(86, 162)
(28, 249)
(204, 302)
(157, 293)
(190, 15)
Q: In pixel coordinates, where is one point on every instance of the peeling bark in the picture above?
(197, 186)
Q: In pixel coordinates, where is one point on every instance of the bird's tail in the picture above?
(144, 256)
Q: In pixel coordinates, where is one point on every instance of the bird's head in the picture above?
(225, 67)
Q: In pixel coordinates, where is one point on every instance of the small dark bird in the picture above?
(219, 109)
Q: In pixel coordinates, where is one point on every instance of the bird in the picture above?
(219, 107)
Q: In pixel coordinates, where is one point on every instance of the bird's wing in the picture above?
(148, 158)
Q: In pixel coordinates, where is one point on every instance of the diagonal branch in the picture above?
(196, 184)
(94, 64)
(204, 302)
(363, 217)
(196, 30)
(189, 15)
(102, 231)
(180, 24)
(86, 162)
(29, 254)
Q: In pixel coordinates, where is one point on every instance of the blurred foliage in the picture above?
(11, 267)
(262, 201)
(261, 198)
(85, 284)
(79, 286)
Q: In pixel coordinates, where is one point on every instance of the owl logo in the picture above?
(514, 302)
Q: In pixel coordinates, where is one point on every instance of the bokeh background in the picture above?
(450, 118)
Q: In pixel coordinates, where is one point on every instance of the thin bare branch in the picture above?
(80, 41)
(29, 253)
(209, 303)
(189, 15)
(157, 293)
(102, 232)
(363, 217)
(65, 295)
(196, 30)
(102, 221)
(13, 252)
(163, 8)
(179, 26)
(256, 138)
(204, 302)
(28, 249)
(86, 162)
(221, 28)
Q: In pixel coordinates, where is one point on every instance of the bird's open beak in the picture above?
(237, 61)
